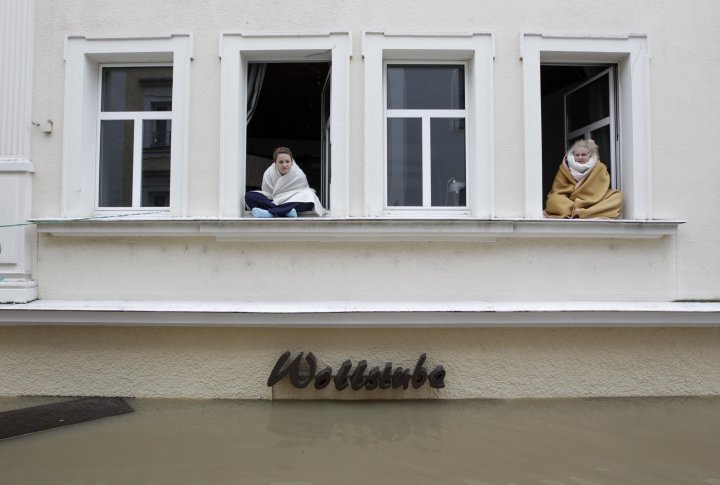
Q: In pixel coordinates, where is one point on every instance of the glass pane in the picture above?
(426, 87)
(137, 88)
(156, 163)
(602, 138)
(116, 163)
(589, 104)
(447, 166)
(404, 162)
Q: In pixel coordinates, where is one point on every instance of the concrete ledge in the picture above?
(328, 229)
(334, 314)
(17, 291)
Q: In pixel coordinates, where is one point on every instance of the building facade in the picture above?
(431, 133)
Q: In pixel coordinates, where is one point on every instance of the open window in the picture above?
(579, 101)
(284, 90)
(580, 87)
(288, 105)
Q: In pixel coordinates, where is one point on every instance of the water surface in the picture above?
(551, 442)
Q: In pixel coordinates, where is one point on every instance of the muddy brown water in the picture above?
(549, 442)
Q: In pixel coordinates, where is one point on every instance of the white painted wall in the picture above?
(683, 99)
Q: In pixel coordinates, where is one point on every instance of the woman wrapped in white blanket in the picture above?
(285, 190)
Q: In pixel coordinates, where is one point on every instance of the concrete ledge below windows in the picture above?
(335, 314)
(328, 229)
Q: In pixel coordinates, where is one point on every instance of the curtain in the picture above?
(256, 76)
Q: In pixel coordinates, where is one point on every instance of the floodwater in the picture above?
(551, 442)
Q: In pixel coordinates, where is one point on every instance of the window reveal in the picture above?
(425, 135)
(288, 105)
(579, 102)
(134, 136)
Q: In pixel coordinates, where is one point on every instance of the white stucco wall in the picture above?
(683, 116)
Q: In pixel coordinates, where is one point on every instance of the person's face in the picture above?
(582, 155)
(283, 162)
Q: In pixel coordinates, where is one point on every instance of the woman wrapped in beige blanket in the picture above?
(582, 186)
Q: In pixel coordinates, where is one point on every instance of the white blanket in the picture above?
(291, 187)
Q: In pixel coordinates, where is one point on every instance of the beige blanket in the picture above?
(590, 197)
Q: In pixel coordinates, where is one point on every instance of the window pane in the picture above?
(404, 162)
(156, 163)
(137, 88)
(602, 138)
(426, 87)
(589, 104)
(116, 163)
(447, 139)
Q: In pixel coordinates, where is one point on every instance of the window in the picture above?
(584, 97)
(126, 103)
(425, 137)
(259, 112)
(587, 87)
(135, 128)
(299, 117)
(428, 125)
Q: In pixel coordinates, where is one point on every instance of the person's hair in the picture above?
(588, 144)
(280, 150)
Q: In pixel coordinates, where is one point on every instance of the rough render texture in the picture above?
(480, 363)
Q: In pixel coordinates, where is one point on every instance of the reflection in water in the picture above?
(552, 442)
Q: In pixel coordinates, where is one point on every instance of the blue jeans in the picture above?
(256, 199)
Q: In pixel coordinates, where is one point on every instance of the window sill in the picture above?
(328, 229)
(365, 314)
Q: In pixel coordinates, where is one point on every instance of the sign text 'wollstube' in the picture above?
(387, 378)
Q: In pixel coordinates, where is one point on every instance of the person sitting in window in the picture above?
(285, 190)
(582, 186)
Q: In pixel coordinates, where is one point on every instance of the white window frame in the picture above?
(425, 115)
(610, 121)
(83, 57)
(236, 50)
(476, 50)
(631, 53)
(137, 117)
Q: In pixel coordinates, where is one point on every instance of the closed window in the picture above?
(135, 129)
(426, 142)
(125, 119)
(428, 125)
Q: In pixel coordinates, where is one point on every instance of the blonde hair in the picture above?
(280, 150)
(588, 144)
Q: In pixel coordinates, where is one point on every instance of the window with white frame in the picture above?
(425, 119)
(428, 125)
(124, 126)
(290, 90)
(297, 117)
(579, 101)
(587, 87)
(135, 130)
